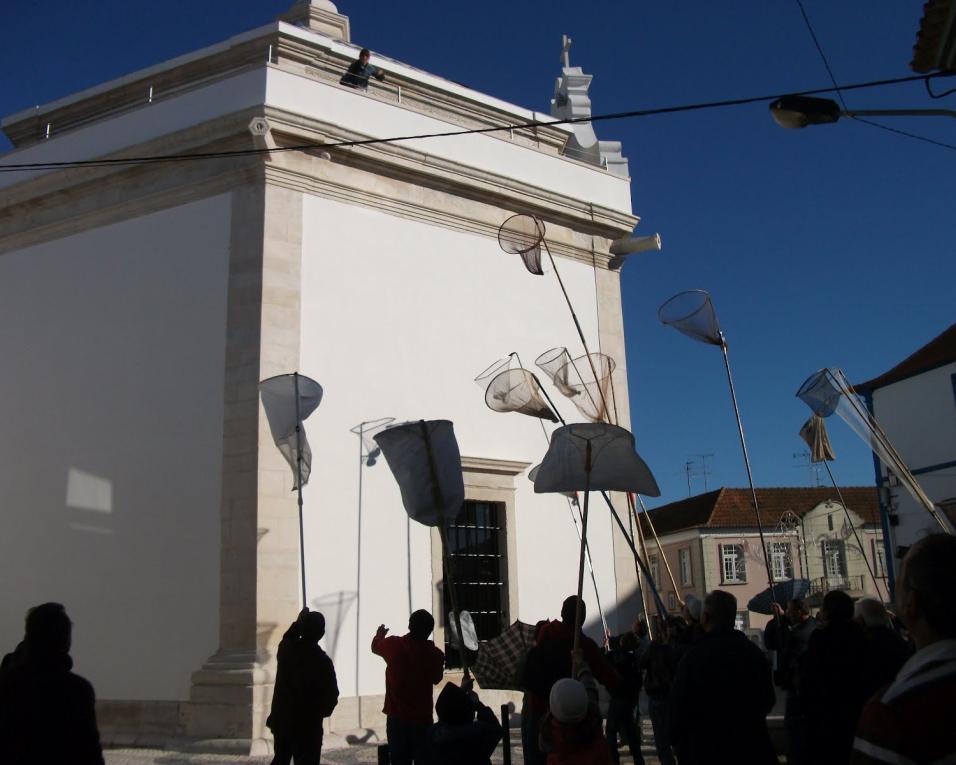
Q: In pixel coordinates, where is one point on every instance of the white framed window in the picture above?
(742, 620)
(671, 602)
(733, 567)
(879, 558)
(655, 570)
(781, 560)
(834, 560)
(684, 562)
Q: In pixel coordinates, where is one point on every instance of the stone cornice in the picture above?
(378, 176)
(493, 466)
(289, 48)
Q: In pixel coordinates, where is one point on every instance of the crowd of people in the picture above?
(861, 685)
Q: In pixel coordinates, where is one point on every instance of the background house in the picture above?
(915, 403)
(710, 541)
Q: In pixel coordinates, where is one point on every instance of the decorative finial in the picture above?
(566, 51)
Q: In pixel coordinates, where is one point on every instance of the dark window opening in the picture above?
(478, 551)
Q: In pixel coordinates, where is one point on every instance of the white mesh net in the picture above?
(692, 314)
(586, 380)
(522, 235)
(516, 390)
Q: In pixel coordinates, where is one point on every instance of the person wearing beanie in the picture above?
(571, 730)
(47, 713)
(467, 732)
(549, 661)
(305, 692)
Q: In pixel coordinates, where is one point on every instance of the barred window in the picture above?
(733, 567)
(478, 552)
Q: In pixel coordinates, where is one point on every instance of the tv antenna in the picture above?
(696, 465)
(805, 463)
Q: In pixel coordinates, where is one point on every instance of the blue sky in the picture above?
(827, 246)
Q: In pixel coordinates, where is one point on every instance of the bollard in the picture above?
(506, 734)
(383, 755)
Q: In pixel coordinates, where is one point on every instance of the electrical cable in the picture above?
(839, 92)
(126, 161)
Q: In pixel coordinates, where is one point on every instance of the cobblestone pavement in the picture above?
(352, 755)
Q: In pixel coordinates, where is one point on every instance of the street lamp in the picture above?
(800, 111)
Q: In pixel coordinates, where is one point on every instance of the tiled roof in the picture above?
(936, 36)
(938, 351)
(733, 508)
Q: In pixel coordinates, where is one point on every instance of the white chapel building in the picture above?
(142, 303)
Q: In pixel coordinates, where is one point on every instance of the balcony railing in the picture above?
(825, 584)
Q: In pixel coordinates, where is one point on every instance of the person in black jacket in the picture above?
(621, 707)
(659, 663)
(832, 683)
(47, 713)
(467, 732)
(886, 652)
(722, 693)
(306, 691)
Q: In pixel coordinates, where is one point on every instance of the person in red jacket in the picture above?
(413, 666)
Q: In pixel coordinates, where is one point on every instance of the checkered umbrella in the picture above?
(500, 659)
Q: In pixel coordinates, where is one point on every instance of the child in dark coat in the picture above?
(467, 732)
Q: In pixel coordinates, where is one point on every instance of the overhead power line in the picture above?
(143, 160)
(839, 92)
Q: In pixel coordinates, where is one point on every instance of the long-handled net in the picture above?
(692, 313)
(826, 392)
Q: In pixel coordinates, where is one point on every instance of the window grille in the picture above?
(686, 574)
(781, 560)
(478, 551)
(834, 561)
(733, 567)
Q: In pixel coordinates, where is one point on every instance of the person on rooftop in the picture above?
(360, 70)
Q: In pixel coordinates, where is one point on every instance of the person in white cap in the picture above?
(571, 730)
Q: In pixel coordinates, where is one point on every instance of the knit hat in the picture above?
(453, 706)
(569, 701)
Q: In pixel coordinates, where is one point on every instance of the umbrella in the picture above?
(501, 659)
(786, 591)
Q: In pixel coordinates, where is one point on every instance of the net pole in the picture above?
(900, 467)
(298, 483)
(856, 536)
(647, 579)
(577, 324)
(587, 550)
(650, 522)
(358, 574)
(750, 478)
(442, 532)
(637, 558)
(584, 542)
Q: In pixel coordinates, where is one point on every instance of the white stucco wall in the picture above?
(111, 404)
(397, 319)
(378, 119)
(919, 416)
(148, 122)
